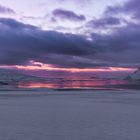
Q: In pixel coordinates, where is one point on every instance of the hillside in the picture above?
(7, 75)
(134, 76)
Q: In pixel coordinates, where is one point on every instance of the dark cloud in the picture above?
(13, 24)
(68, 15)
(120, 47)
(20, 43)
(130, 7)
(6, 10)
(104, 22)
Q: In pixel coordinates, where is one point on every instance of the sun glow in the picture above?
(41, 66)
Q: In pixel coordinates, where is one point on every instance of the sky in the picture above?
(59, 37)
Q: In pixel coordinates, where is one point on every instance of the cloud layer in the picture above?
(21, 43)
(6, 10)
(109, 40)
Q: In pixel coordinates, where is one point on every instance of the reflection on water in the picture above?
(71, 84)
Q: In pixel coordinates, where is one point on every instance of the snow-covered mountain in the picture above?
(7, 75)
(134, 76)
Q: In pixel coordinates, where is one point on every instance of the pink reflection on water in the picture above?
(70, 84)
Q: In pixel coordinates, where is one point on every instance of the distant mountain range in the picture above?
(7, 75)
(134, 76)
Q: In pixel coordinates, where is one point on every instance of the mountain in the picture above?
(7, 75)
(134, 76)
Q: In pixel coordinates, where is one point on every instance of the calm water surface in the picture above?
(79, 84)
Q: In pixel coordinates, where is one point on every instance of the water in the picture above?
(72, 84)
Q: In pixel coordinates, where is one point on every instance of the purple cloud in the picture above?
(122, 47)
(130, 7)
(104, 22)
(6, 10)
(68, 15)
(20, 43)
(113, 10)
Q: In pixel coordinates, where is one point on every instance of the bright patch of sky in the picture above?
(39, 12)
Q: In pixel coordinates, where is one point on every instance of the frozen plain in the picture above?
(70, 115)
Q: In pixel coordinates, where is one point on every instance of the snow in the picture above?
(71, 115)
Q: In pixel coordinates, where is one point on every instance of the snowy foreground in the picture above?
(70, 115)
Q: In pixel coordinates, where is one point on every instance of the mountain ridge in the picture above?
(11, 75)
(134, 76)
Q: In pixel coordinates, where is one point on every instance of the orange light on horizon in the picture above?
(41, 66)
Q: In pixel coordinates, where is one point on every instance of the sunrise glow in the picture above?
(41, 66)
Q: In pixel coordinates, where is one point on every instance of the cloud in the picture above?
(13, 24)
(104, 22)
(6, 10)
(121, 46)
(130, 7)
(20, 43)
(68, 15)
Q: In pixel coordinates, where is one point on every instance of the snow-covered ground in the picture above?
(70, 115)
